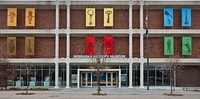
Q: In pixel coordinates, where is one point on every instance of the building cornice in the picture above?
(171, 2)
(173, 32)
(4, 32)
(63, 31)
(181, 60)
(100, 2)
(63, 2)
(87, 60)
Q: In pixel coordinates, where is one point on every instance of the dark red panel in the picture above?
(108, 45)
(90, 45)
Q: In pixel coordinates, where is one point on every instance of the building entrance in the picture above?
(86, 79)
(110, 78)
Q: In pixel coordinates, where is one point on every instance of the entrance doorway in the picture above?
(87, 78)
(111, 79)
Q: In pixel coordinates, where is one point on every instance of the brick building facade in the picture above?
(60, 33)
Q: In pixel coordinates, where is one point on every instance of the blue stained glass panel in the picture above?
(168, 17)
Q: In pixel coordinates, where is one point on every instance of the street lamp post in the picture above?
(147, 43)
(147, 48)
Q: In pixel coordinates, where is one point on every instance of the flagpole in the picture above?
(147, 50)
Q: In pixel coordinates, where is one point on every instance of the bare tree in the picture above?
(26, 72)
(98, 62)
(173, 69)
(5, 67)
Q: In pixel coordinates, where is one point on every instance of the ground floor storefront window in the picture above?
(41, 75)
(62, 75)
(136, 75)
(109, 78)
(156, 77)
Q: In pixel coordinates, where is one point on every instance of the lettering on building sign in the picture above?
(103, 56)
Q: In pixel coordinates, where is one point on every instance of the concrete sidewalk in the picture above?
(113, 93)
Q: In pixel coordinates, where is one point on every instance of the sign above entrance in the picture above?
(103, 56)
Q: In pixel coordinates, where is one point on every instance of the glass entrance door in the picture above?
(111, 79)
(89, 79)
(86, 79)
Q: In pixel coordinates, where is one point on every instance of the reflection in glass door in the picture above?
(114, 79)
(83, 79)
(89, 79)
(108, 77)
(111, 79)
(86, 79)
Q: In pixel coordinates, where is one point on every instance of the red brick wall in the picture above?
(121, 19)
(63, 19)
(195, 19)
(136, 19)
(136, 47)
(3, 19)
(121, 46)
(156, 19)
(189, 77)
(62, 47)
(20, 44)
(156, 47)
(77, 45)
(44, 47)
(21, 19)
(3, 44)
(78, 19)
(44, 19)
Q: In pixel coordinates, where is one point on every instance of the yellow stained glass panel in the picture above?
(12, 17)
(30, 17)
(108, 17)
(90, 17)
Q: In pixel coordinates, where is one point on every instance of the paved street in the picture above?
(113, 93)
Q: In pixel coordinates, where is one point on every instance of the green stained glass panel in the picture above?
(187, 45)
(168, 45)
